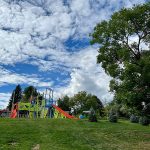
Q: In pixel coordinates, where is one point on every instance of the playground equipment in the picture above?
(45, 108)
(62, 114)
(14, 111)
(47, 104)
(4, 112)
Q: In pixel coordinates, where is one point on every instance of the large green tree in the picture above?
(82, 101)
(124, 54)
(29, 93)
(64, 103)
(15, 97)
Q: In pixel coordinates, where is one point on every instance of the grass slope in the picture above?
(63, 134)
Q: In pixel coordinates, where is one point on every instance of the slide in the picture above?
(63, 112)
(13, 113)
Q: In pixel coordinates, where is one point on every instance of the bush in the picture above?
(112, 117)
(92, 116)
(134, 119)
(146, 110)
(144, 121)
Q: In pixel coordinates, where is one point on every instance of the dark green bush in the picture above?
(146, 111)
(144, 120)
(92, 116)
(134, 119)
(112, 117)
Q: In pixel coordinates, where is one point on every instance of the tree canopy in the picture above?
(82, 101)
(64, 103)
(29, 92)
(124, 54)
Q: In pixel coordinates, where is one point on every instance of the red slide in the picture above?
(64, 113)
(14, 111)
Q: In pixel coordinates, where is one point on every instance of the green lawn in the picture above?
(64, 134)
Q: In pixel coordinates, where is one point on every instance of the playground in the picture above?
(35, 108)
(66, 134)
(95, 55)
(39, 124)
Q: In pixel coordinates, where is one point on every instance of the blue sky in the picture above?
(45, 43)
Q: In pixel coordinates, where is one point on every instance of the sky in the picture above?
(46, 43)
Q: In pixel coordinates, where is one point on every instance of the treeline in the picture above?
(82, 101)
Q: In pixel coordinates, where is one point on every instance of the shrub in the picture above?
(146, 110)
(144, 120)
(92, 116)
(134, 119)
(112, 117)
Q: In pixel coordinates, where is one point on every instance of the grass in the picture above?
(63, 134)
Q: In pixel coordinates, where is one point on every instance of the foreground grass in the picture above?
(63, 134)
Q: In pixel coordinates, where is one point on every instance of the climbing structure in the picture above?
(47, 110)
(34, 109)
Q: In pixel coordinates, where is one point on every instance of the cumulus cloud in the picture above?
(89, 77)
(9, 77)
(37, 29)
(4, 99)
(34, 32)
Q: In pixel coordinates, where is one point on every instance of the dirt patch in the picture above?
(36, 147)
(12, 142)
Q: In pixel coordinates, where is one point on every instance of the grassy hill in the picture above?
(63, 134)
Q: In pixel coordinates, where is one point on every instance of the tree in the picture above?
(92, 116)
(82, 101)
(146, 111)
(112, 116)
(29, 93)
(15, 97)
(124, 54)
(64, 103)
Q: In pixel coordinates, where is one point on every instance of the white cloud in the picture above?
(9, 77)
(34, 32)
(4, 99)
(30, 25)
(90, 77)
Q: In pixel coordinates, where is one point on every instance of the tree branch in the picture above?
(127, 45)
